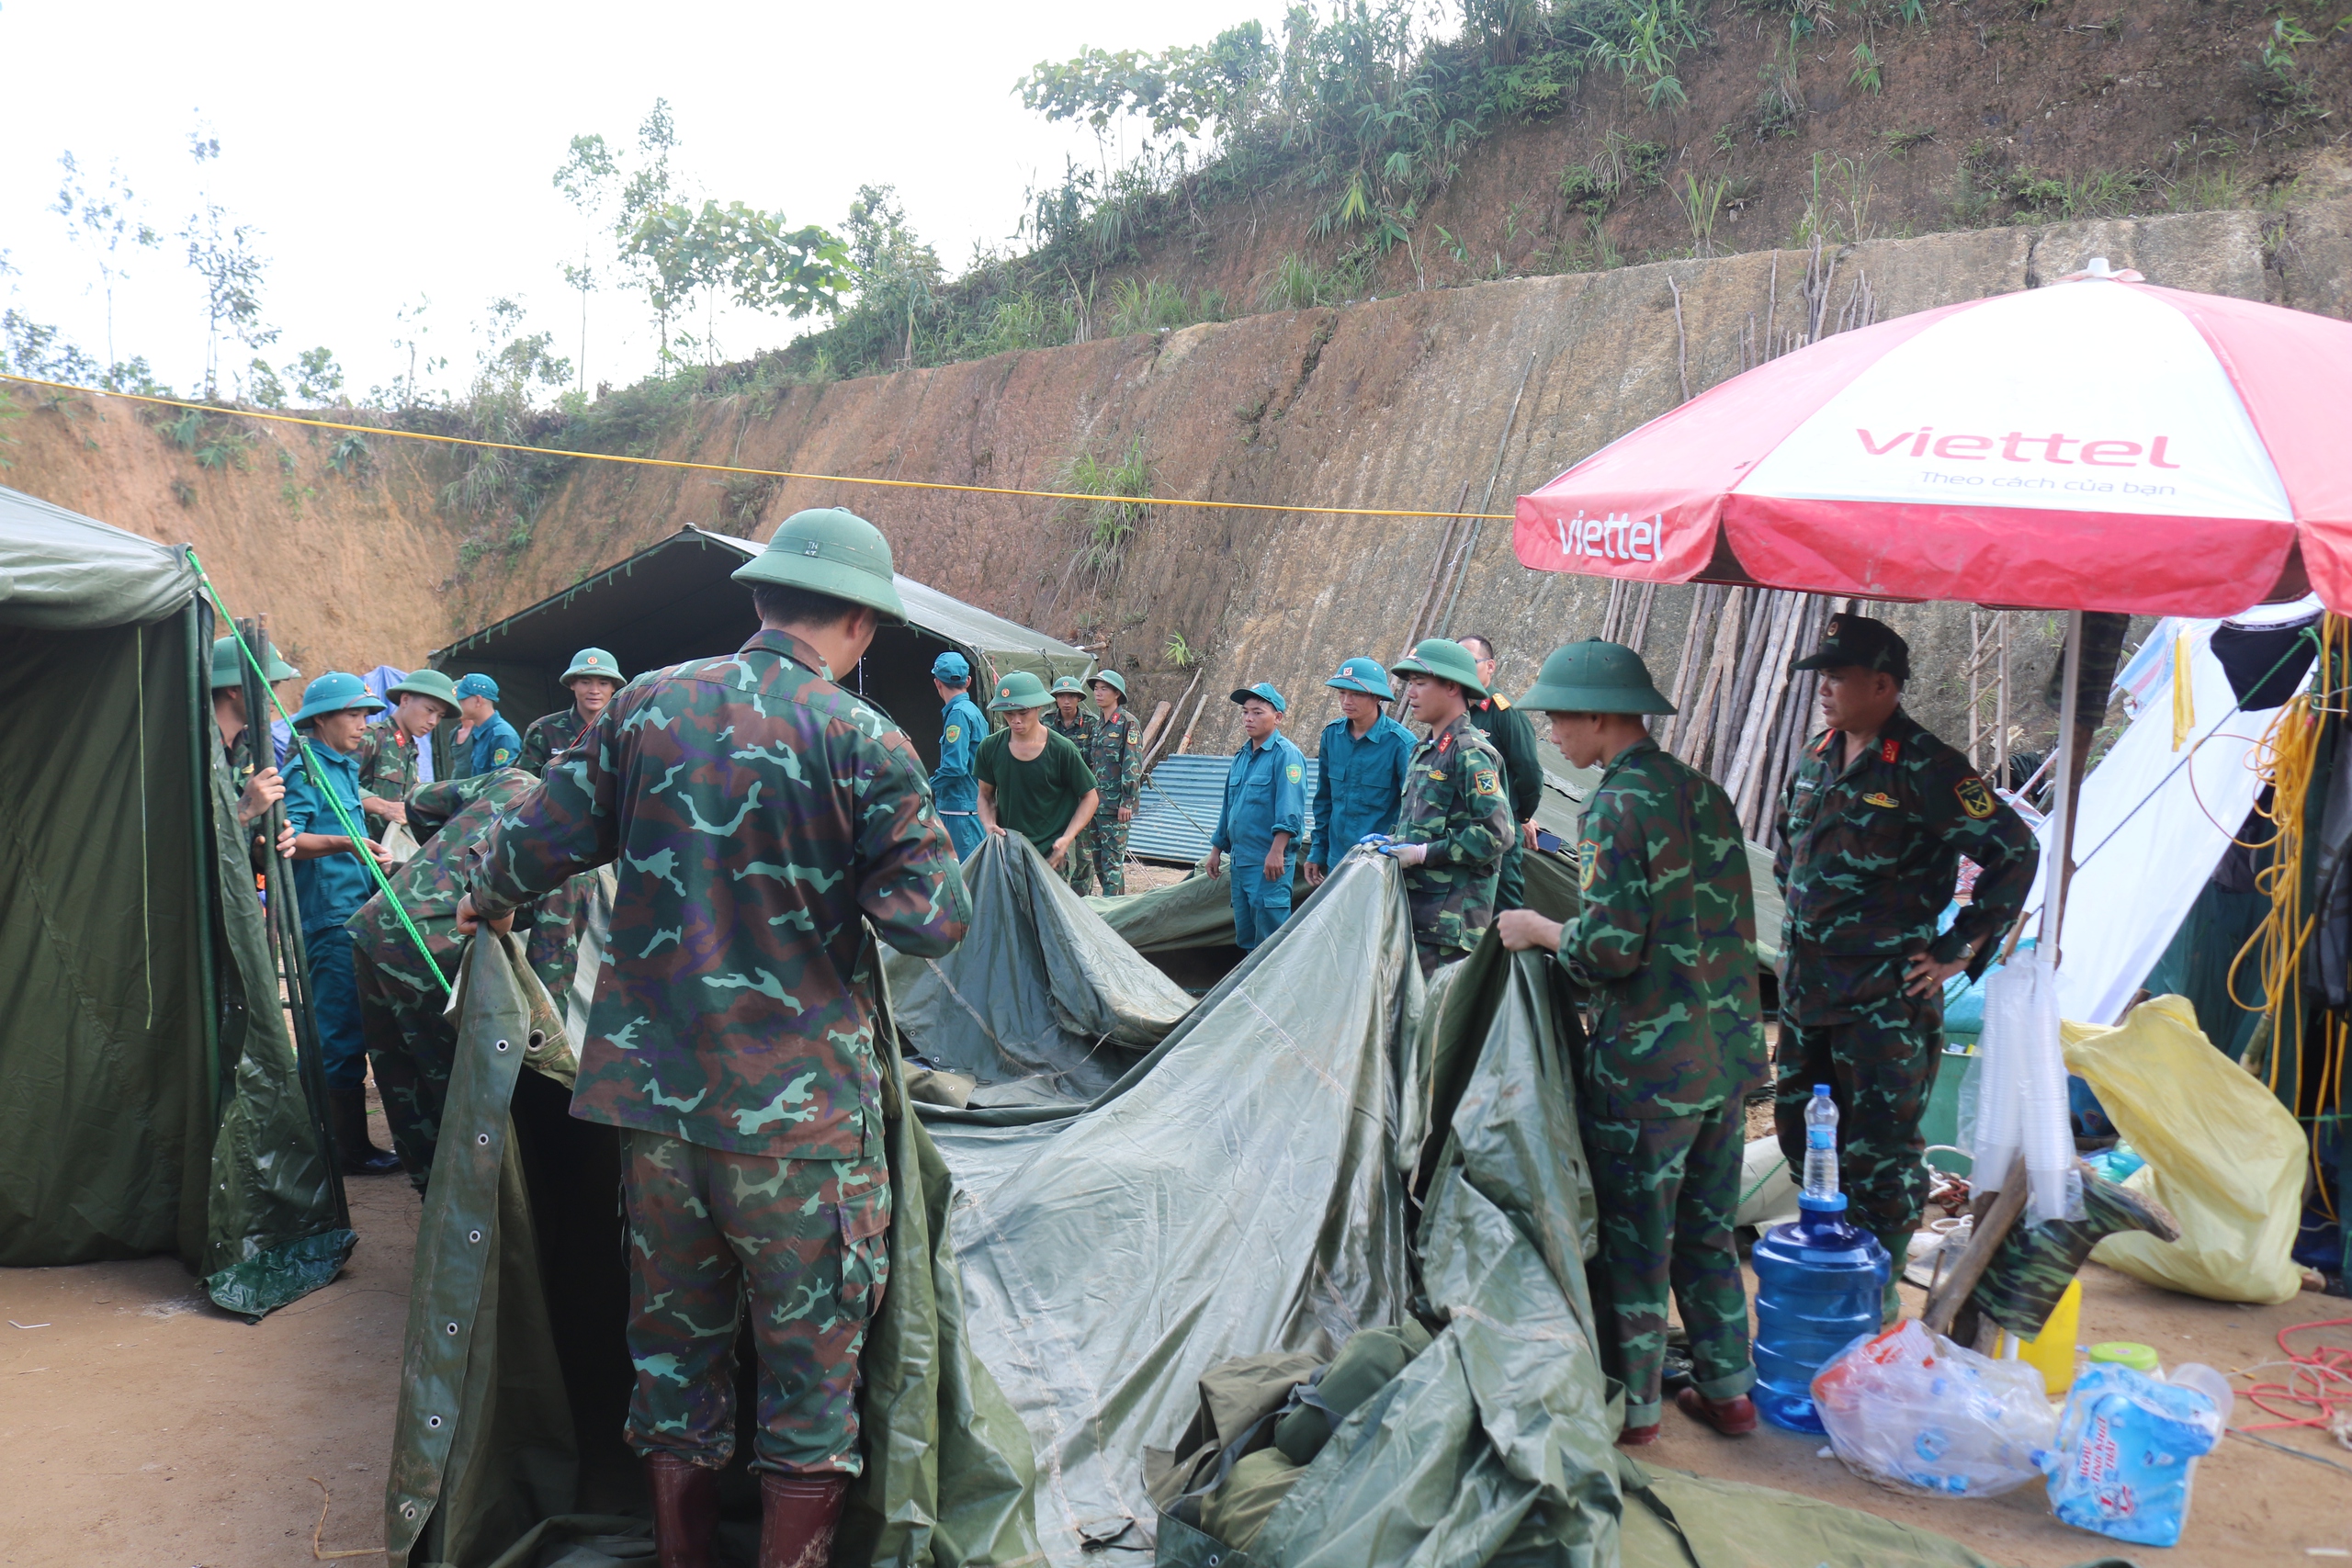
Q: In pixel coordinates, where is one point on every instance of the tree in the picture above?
(222, 254)
(586, 179)
(102, 222)
(897, 273)
(405, 392)
(318, 379)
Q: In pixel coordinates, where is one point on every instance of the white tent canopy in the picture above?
(2156, 816)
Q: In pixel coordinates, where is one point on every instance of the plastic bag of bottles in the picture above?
(1915, 1412)
(2128, 1447)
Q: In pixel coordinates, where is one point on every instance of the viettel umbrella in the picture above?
(2098, 445)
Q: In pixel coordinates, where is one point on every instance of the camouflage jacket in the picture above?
(1666, 941)
(1454, 803)
(453, 819)
(1513, 738)
(1866, 861)
(1079, 732)
(551, 735)
(758, 816)
(1115, 752)
(387, 769)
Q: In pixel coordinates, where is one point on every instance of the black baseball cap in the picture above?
(1857, 640)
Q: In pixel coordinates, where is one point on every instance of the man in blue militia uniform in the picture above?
(954, 791)
(486, 741)
(1364, 755)
(330, 883)
(1265, 807)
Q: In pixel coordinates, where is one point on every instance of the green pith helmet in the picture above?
(1447, 661)
(1111, 679)
(828, 550)
(426, 684)
(229, 665)
(1020, 690)
(1593, 676)
(593, 661)
(1068, 686)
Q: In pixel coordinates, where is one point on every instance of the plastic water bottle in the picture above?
(1819, 1281)
(1821, 1144)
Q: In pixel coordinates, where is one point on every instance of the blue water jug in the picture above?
(1819, 1284)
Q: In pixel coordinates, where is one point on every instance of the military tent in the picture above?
(1322, 1143)
(673, 601)
(149, 1098)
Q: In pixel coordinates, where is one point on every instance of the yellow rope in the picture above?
(758, 473)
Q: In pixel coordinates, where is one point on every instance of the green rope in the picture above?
(311, 760)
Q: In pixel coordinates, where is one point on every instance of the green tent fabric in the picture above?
(145, 1106)
(506, 1447)
(1239, 1191)
(1042, 1003)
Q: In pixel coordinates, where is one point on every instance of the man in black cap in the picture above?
(1873, 826)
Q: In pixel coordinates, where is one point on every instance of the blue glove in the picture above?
(1377, 841)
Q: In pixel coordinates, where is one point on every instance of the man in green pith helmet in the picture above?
(1071, 716)
(1033, 780)
(396, 754)
(1873, 826)
(1665, 943)
(1514, 741)
(258, 789)
(753, 803)
(594, 676)
(1114, 755)
(1455, 817)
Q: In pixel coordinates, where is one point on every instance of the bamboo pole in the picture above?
(1719, 668)
(1702, 604)
(1731, 706)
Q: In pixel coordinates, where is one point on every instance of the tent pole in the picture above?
(2069, 790)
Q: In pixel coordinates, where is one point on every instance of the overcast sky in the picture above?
(389, 154)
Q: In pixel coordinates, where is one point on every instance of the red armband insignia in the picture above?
(1889, 750)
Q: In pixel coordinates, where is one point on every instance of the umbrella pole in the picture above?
(2070, 768)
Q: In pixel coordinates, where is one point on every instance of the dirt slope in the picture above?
(1404, 403)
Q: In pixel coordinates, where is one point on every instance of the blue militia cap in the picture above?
(951, 666)
(1264, 691)
(1364, 675)
(478, 686)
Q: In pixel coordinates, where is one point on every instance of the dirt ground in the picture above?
(141, 1427)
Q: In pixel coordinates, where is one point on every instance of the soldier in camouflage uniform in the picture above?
(257, 789)
(1873, 826)
(766, 824)
(1115, 753)
(1514, 742)
(1457, 815)
(412, 1041)
(594, 677)
(1070, 717)
(389, 768)
(1665, 943)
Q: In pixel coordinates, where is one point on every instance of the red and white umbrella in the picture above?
(2098, 445)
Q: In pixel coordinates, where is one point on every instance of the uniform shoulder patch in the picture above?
(1587, 853)
(1294, 772)
(955, 732)
(1485, 782)
(1976, 797)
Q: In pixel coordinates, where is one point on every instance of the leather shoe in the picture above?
(685, 1509)
(1637, 1437)
(1733, 1418)
(797, 1513)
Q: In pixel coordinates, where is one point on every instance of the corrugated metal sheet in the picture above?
(1176, 814)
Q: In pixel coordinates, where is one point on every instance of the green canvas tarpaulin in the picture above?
(145, 1104)
(1041, 1003)
(514, 1378)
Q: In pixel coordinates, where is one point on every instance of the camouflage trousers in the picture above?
(1880, 1069)
(411, 1044)
(807, 1242)
(1099, 857)
(1668, 1189)
(1451, 907)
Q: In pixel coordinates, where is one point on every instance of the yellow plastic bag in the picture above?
(2223, 1155)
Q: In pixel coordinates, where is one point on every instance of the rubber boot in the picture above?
(685, 1510)
(796, 1517)
(347, 1112)
(1733, 1418)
